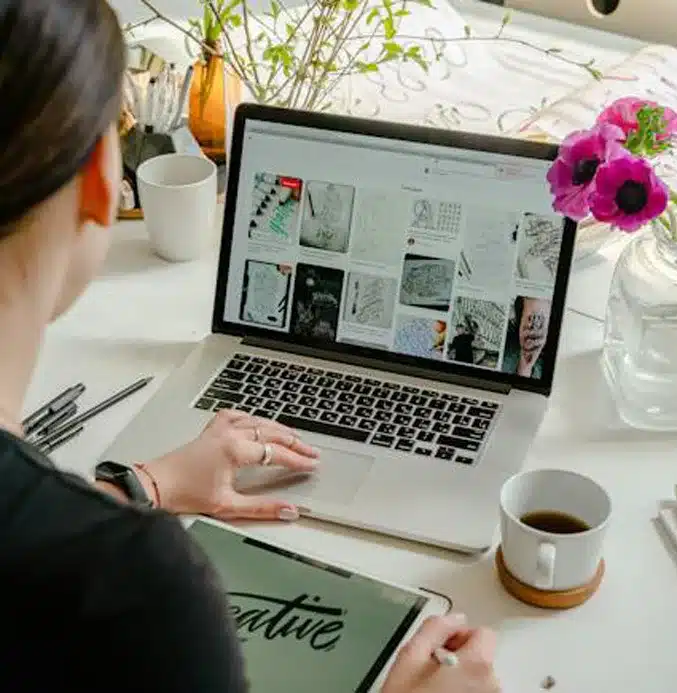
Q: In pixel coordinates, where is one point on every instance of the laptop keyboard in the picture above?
(384, 414)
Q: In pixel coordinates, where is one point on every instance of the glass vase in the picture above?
(639, 356)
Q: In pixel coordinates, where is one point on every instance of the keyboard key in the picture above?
(251, 390)
(279, 364)
(309, 413)
(402, 409)
(464, 460)
(348, 397)
(380, 393)
(325, 405)
(291, 387)
(292, 409)
(233, 374)
(253, 368)
(384, 416)
(306, 401)
(372, 382)
(441, 427)
(449, 397)
(274, 383)
(442, 416)
(423, 413)
(310, 390)
(306, 378)
(438, 404)
(343, 386)
(471, 433)
(323, 427)
(329, 416)
(402, 420)
(244, 407)
(421, 424)
(405, 445)
(406, 432)
(388, 429)
(344, 408)
(367, 425)
(418, 400)
(241, 357)
(462, 420)
(296, 367)
(364, 412)
(256, 379)
(254, 401)
(348, 421)
(362, 389)
(365, 401)
(287, 397)
(481, 424)
(470, 400)
(481, 413)
(289, 375)
(426, 436)
(490, 405)
(227, 405)
(398, 396)
(391, 386)
(324, 381)
(224, 395)
(445, 453)
(353, 378)
(430, 393)
(382, 440)
(384, 404)
(272, 405)
(460, 443)
(426, 452)
(316, 371)
(228, 385)
(269, 393)
(456, 408)
(271, 372)
(258, 359)
(411, 390)
(204, 403)
(263, 413)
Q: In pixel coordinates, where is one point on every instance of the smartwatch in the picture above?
(124, 478)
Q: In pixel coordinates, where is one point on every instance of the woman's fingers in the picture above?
(267, 431)
(269, 453)
(243, 507)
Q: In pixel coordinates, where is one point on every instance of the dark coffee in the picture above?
(554, 522)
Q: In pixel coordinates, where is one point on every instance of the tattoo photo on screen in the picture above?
(265, 293)
(423, 337)
(440, 219)
(370, 300)
(526, 337)
(276, 204)
(478, 327)
(540, 239)
(327, 215)
(427, 282)
(316, 303)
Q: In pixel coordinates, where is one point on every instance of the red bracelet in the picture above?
(156, 490)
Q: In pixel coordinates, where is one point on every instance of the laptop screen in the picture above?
(430, 255)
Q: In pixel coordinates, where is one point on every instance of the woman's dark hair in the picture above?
(61, 69)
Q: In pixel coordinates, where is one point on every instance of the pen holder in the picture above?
(140, 145)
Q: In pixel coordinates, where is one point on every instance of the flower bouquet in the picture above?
(612, 173)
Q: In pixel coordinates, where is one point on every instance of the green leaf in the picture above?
(507, 18)
(274, 9)
(392, 48)
(291, 30)
(366, 67)
(425, 3)
(597, 74)
(402, 13)
(350, 5)
(364, 47)
(467, 30)
(554, 51)
(235, 20)
(372, 15)
(389, 28)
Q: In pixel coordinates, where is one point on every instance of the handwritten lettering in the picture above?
(272, 618)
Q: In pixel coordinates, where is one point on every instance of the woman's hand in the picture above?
(417, 671)
(533, 331)
(199, 478)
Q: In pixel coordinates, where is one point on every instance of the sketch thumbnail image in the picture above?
(370, 300)
(527, 333)
(422, 337)
(327, 213)
(477, 330)
(487, 259)
(440, 217)
(539, 242)
(427, 282)
(265, 293)
(317, 297)
(276, 204)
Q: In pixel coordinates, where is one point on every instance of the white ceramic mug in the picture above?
(545, 560)
(178, 197)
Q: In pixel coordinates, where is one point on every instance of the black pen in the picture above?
(37, 418)
(55, 420)
(96, 409)
(46, 449)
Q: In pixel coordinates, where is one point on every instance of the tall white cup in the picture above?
(178, 197)
(550, 561)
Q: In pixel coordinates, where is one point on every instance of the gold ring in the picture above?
(267, 455)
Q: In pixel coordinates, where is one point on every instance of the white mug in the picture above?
(178, 197)
(545, 560)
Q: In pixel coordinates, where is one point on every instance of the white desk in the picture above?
(143, 316)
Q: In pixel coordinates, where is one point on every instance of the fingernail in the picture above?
(315, 452)
(288, 514)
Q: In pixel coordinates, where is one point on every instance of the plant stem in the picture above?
(236, 63)
(248, 39)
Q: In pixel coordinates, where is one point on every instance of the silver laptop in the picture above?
(394, 293)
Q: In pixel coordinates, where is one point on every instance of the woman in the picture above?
(98, 594)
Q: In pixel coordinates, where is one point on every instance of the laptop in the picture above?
(395, 293)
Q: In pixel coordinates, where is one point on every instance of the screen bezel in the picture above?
(389, 361)
(427, 603)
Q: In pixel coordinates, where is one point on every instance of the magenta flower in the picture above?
(627, 193)
(572, 175)
(623, 114)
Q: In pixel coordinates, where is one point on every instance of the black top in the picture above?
(100, 596)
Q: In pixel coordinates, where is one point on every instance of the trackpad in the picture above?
(336, 480)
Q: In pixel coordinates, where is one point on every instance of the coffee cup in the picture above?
(178, 197)
(553, 524)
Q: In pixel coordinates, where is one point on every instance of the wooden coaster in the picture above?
(566, 599)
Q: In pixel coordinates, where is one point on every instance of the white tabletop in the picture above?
(142, 316)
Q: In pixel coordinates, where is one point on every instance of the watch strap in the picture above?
(124, 478)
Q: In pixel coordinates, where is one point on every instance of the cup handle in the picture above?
(545, 566)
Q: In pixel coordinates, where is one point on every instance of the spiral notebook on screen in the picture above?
(307, 625)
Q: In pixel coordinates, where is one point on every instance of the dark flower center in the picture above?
(632, 197)
(584, 171)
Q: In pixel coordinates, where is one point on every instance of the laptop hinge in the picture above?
(378, 364)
